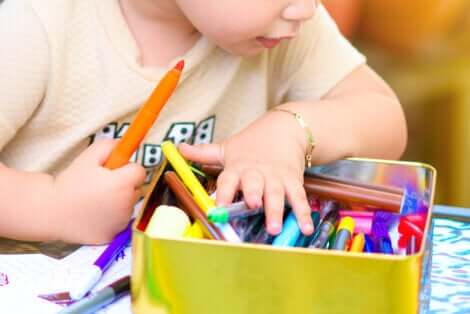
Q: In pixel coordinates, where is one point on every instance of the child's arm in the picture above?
(86, 203)
(359, 117)
(349, 109)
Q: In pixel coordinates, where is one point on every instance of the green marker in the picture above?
(331, 240)
(235, 210)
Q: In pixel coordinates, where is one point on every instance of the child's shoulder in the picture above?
(57, 7)
(56, 19)
(53, 14)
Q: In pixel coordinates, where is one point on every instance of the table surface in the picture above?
(450, 273)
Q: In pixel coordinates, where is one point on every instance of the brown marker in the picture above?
(344, 191)
(214, 170)
(211, 185)
(353, 194)
(190, 206)
(376, 187)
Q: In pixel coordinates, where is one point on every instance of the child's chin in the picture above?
(246, 51)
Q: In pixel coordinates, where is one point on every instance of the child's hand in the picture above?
(93, 203)
(265, 162)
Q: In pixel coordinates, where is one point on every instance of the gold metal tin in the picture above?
(186, 276)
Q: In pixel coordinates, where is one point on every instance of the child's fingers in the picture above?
(298, 200)
(273, 204)
(98, 152)
(137, 195)
(203, 153)
(133, 172)
(252, 183)
(228, 184)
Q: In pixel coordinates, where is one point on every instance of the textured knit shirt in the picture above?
(70, 74)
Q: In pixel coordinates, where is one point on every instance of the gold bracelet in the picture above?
(308, 133)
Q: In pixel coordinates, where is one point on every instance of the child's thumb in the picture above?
(98, 152)
(203, 153)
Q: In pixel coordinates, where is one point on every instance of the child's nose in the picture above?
(300, 10)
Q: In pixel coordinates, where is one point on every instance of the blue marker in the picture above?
(368, 244)
(385, 245)
(410, 202)
(290, 232)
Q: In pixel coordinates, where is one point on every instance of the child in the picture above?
(76, 71)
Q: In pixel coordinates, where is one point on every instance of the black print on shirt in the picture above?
(112, 131)
(179, 132)
(205, 131)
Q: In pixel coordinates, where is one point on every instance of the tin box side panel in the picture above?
(200, 277)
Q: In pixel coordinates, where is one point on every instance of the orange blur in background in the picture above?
(421, 48)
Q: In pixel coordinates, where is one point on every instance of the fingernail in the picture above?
(220, 204)
(275, 227)
(255, 201)
(307, 228)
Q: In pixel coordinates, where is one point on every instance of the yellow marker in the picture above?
(198, 192)
(358, 242)
(184, 171)
(194, 231)
(168, 221)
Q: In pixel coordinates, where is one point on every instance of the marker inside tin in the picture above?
(327, 227)
(246, 228)
(327, 207)
(344, 233)
(358, 242)
(290, 232)
(303, 240)
(263, 237)
(331, 240)
(411, 247)
(384, 245)
(368, 244)
(233, 211)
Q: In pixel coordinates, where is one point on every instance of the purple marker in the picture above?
(94, 272)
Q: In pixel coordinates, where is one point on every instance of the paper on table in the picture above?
(31, 272)
(17, 300)
(86, 255)
(70, 268)
(22, 278)
(28, 275)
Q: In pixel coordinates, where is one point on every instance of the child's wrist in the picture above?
(40, 212)
(298, 130)
(55, 205)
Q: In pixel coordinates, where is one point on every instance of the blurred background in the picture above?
(422, 49)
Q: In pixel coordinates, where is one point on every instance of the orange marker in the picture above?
(144, 119)
(358, 242)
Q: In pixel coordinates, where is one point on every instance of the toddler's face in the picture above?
(246, 27)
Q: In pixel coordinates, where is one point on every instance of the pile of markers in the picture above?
(335, 228)
(388, 221)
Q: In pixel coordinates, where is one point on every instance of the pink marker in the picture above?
(355, 214)
(363, 220)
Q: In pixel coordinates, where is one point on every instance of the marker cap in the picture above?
(168, 221)
(218, 214)
(347, 223)
(91, 275)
